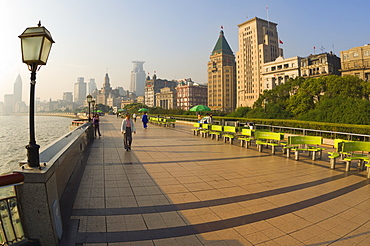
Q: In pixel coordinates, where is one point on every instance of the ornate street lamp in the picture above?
(36, 44)
(93, 105)
(89, 100)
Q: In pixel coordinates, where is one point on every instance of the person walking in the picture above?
(134, 117)
(145, 120)
(127, 128)
(96, 122)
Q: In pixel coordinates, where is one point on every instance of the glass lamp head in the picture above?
(89, 98)
(36, 44)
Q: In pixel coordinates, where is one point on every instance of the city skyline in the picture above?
(173, 38)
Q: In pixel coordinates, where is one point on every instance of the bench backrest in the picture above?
(337, 141)
(354, 146)
(247, 132)
(206, 126)
(231, 129)
(305, 140)
(216, 128)
(269, 135)
(197, 124)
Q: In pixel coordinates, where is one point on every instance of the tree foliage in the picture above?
(325, 99)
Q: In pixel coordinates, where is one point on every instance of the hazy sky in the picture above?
(173, 37)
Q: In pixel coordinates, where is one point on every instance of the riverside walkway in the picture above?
(174, 188)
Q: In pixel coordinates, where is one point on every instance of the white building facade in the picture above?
(280, 71)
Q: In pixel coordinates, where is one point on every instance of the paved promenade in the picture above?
(174, 188)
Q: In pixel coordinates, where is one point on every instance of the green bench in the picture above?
(310, 144)
(350, 148)
(162, 121)
(368, 170)
(153, 120)
(169, 122)
(229, 133)
(245, 137)
(337, 153)
(268, 139)
(197, 128)
(216, 131)
(204, 131)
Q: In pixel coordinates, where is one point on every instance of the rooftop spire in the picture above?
(222, 46)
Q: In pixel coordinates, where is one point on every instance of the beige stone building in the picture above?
(258, 44)
(126, 102)
(140, 99)
(222, 77)
(166, 98)
(356, 61)
(280, 71)
(153, 86)
(320, 65)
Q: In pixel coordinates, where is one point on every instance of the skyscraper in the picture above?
(91, 86)
(80, 91)
(137, 84)
(222, 77)
(8, 103)
(17, 92)
(258, 43)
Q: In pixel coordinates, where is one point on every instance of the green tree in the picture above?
(340, 110)
(239, 112)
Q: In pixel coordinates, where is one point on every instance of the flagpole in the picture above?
(267, 13)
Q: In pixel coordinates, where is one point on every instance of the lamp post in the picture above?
(89, 100)
(36, 44)
(93, 105)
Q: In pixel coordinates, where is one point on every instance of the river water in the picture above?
(14, 136)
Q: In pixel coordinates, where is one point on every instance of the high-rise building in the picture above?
(258, 44)
(8, 104)
(17, 93)
(91, 86)
(222, 77)
(137, 84)
(356, 61)
(67, 97)
(80, 91)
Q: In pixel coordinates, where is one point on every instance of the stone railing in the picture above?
(40, 195)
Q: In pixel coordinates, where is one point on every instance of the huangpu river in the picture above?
(14, 136)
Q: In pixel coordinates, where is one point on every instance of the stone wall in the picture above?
(39, 196)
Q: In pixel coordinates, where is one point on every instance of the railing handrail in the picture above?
(11, 179)
(10, 221)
